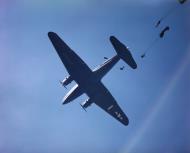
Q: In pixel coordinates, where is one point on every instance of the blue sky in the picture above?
(155, 97)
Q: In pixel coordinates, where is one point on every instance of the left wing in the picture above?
(106, 101)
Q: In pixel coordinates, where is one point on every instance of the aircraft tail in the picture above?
(123, 52)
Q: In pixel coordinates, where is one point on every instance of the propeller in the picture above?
(62, 84)
(83, 107)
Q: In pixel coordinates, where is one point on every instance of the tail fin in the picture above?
(123, 52)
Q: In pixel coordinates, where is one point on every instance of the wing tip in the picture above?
(51, 34)
(126, 122)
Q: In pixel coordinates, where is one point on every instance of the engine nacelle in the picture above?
(86, 103)
(66, 81)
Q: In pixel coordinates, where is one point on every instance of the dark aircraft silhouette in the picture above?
(89, 81)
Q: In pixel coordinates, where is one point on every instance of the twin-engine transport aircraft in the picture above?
(89, 81)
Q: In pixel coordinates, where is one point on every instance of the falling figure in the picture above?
(162, 33)
(122, 68)
(182, 1)
(143, 55)
(158, 23)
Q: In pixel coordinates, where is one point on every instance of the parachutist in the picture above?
(162, 33)
(158, 23)
(122, 68)
(143, 55)
(105, 58)
(182, 1)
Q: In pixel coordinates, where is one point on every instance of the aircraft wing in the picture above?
(106, 101)
(75, 66)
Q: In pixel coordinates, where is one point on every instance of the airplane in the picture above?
(89, 81)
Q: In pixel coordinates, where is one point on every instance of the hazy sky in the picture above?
(155, 97)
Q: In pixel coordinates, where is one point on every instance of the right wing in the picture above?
(106, 101)
(75, 66)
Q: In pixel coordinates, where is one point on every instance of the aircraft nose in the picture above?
(65, 101)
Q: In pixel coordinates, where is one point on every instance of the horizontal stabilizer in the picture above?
(123, 52)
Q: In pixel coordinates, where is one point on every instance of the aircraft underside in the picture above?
(89, 81)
